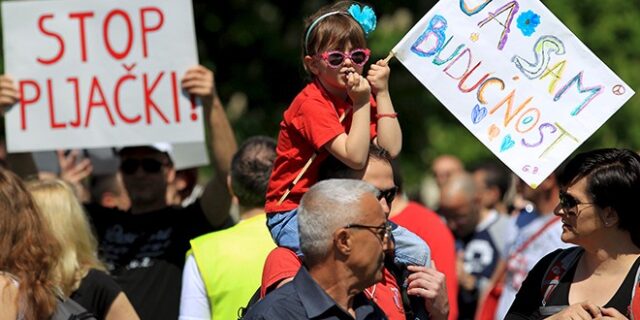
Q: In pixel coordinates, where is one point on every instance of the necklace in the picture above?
(371, 293)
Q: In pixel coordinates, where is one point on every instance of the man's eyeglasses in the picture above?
(568, 203)
(335, 59)
(382, 231)
(388, 194)
(149, 165)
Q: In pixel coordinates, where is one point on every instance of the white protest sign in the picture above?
(516, 77)
(97, 73)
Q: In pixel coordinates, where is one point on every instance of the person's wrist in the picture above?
(437, 312)
(381, 92)
(391, 115)
(359, 103)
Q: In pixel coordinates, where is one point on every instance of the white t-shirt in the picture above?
(519, 265)
(194, 304)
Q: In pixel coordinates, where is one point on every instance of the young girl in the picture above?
(336, 114)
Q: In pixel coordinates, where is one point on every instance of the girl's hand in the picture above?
(358, 89)
(378, 76)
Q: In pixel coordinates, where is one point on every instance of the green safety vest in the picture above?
(230, 262)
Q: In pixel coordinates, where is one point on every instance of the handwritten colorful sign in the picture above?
(516, 77)
(97, 73)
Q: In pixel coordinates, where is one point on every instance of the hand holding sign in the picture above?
(99, 73)
(378, 76)
(199, 81)
(8, 93)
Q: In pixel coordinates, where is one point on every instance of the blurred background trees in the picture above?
(254, 48)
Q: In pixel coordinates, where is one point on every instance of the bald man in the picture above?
(479, 238)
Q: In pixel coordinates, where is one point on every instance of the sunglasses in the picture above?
(149, 165)
(335, 59)
(388, 194)
(568, 203)
(382, 231)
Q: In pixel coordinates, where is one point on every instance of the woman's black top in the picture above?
(529, 298)
(96, 293)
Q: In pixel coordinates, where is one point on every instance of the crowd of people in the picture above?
(323, 228)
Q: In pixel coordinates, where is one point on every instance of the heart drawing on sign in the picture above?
(477, 114)
(507, 143)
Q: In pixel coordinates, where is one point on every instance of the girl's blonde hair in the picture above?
(69, 224)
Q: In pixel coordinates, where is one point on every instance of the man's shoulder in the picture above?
(278, 305)
(251, 231)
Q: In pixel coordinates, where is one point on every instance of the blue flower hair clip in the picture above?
(365, 17)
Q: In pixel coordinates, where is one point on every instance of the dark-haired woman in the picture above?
(596, 279)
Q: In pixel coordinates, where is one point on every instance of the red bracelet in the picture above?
(386, 115)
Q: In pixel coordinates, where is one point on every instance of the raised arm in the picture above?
(21, 163)
(353, 148)
(215, 200)
(389, 133)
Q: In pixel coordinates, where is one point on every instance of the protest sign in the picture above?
(516, 77)
(99, 73)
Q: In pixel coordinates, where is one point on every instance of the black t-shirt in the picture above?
(96, 293)
(529, 297)
(145, 253)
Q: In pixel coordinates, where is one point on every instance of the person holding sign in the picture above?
(144, 247)
(336, 114)
(599, 277)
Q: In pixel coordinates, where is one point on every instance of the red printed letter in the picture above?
(95, 87)
(52, 114)
(76, 90)
(146, 28)
(116, 99)
(24, 101)
(105, 33)
(148, 103)
(174, 91)
(52, 34)
(81, 16)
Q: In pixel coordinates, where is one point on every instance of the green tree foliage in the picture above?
(254, 48)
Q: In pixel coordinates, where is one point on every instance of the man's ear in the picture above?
(342, 241)
(229, 186)
(171, 175)
(234, 198)
(311, 65)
